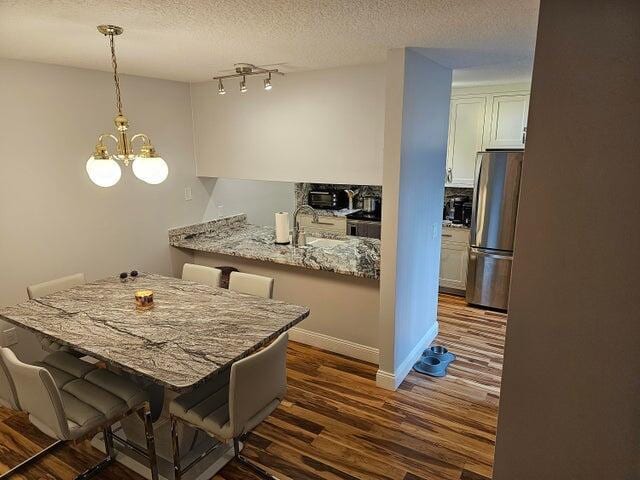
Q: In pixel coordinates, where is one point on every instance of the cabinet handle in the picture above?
(524, 135)
(449, 175)
(447, 235)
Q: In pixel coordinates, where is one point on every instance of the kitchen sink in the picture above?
(324, 242)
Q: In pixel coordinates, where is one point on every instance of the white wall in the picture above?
(322, 126)
(417, 119)
(258, 199)
(53, 220)
(570, 400)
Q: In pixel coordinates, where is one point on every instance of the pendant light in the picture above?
(103, 168)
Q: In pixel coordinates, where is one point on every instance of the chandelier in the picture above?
(103, 168)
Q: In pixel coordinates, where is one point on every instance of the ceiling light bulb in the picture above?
(103, 172)
(267, 83)
(243, 85)
(221, 90)
(153, 170)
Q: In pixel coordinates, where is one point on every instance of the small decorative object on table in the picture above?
(133, 274)
(144, 299)
(434, 361)
(123, 277)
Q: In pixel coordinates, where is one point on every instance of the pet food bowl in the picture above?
(440, 352)
(431, 366)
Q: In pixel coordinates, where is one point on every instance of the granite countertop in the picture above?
(336, 213)
(356, 256)
(193, 331)
(449, 224)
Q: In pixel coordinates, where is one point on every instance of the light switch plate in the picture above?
(434, 231)
(187, 194)
(9, 337)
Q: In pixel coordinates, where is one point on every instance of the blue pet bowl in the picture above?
(431, 366)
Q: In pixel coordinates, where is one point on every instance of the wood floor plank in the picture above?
(335, 423)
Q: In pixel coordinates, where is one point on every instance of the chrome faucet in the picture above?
(296, 228)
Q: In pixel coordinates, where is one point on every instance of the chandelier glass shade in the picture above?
(102, 167)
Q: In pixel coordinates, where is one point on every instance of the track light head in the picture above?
(267, 83)
(243, 85)
(221, 90)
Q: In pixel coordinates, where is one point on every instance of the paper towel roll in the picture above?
(282, 227)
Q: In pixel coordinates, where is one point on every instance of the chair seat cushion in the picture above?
(206, 407)
(90, 396)
(117, 385)
(68, 363)
(60, 377)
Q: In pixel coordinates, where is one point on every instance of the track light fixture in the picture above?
(244, 70)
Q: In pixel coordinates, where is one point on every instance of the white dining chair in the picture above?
(71, 400)
(230, 406)
(47, 288)
(202, 274)
(251, 284)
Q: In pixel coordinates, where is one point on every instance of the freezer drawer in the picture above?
(488, 278)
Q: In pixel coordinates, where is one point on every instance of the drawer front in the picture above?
(325, 224)
(457, 235)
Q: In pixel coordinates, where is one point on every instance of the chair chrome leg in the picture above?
(151, 443)
(177, 472)
(107, 437)
(31, 459)
(248, 463)
(95, 469)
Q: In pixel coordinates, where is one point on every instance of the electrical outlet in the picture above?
(187, 194)
(9, 337)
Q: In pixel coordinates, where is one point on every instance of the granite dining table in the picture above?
(192, 332)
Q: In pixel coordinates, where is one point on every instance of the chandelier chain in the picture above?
(116, 79)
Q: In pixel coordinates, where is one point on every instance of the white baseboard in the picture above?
(391, 381)
(334, 344)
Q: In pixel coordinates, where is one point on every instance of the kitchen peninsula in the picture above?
(337, 278)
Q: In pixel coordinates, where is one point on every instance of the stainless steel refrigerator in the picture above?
(493, 222)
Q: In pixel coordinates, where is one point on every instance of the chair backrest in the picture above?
(251, 284)
(52, 286)
(201, 274)
(8, 396)
(257, 385)
(37, 395)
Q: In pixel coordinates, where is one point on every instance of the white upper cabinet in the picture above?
(508, 120)
(481, 118)
(466, 132)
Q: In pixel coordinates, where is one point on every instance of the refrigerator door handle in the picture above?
(485, 253)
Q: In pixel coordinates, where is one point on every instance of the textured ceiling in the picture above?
(192, 40)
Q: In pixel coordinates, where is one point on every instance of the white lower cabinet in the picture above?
(454, 257)
(337, 225)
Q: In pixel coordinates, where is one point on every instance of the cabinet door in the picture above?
(453, 265)
(326, 224)
(508, 120)
(466, 128)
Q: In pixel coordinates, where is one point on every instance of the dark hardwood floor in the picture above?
(336, 424)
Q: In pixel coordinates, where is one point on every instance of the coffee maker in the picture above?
(455, 209)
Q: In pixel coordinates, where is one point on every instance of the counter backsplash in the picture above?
(302, 191)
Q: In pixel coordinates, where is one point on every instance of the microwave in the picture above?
(328, 199)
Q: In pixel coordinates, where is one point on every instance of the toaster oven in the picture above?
(328, 199)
